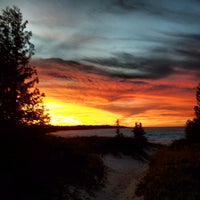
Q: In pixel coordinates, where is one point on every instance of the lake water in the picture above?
(157, 135)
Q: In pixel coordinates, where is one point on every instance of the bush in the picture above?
(139, 133)
(173, 174)
(193, 130)
(134, 147)
(193, 126)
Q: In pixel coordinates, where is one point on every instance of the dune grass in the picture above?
(174, 173)
(137, 148)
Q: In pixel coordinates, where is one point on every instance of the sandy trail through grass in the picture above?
(123, 175)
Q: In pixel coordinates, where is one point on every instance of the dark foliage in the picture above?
(193, 130)
(139, 132)
(114, 145)
(118, 133)
(20, 101)
(38, 166)
(173, 173)
(193, 126)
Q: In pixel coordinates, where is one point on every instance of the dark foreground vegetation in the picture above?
(38, 166)
(174, 173)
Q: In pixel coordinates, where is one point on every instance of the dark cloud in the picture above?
(155, 8)
(162, 87)
(67, 69)
(130, 5)
(180, 51)
(135, 82)
(125, 65)
(127, 6)
(170, 87)
(122, 6)
(61, 76)
(188, 49)
(184, 48)
(63, 62)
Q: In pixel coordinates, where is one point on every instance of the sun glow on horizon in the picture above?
(62, 113)
(64, 120)
(69, 114)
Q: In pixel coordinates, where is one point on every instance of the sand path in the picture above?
(123, 175)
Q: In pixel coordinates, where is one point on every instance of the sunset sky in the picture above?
(103, 60)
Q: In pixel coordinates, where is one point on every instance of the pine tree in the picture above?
(20, 101)
(197, 107)
(193, 126)
(139, 132)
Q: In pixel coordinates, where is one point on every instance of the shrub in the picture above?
(192, 130)
(193, 126)
(173, 174)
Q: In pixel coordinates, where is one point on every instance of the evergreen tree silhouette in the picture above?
(20, 101)
(193, 126)
(139, 132)
(118, 134)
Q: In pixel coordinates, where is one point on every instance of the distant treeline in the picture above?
(44, 129)
(52, 128)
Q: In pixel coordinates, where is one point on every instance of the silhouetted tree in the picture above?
(139, 132)
(118, 129)
(193, 126)
(197, 107)
(20, 101)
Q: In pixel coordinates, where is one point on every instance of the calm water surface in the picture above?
(158, 135)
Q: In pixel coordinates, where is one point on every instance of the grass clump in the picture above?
(173, 173)
(114, 145)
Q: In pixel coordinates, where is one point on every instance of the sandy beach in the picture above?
(124, 173)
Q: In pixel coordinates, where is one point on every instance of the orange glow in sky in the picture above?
(62, 113)
(76, 97)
